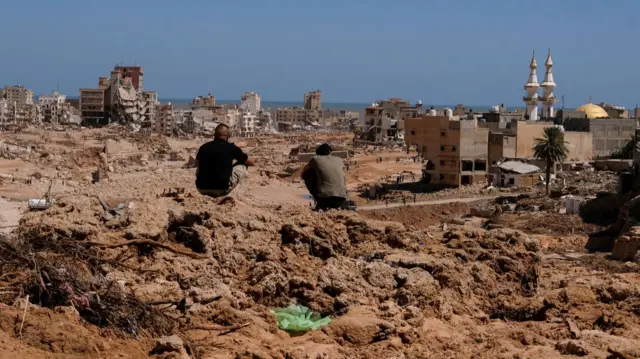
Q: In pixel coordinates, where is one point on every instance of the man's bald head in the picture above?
(221, 132)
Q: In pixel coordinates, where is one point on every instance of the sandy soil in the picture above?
(414, 282)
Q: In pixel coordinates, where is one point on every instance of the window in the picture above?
(453, 148)
(441, 163)
(442, 148)
(413, 132)
(443, 133)
(441, 177)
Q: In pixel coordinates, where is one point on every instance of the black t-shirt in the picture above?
(215, 164)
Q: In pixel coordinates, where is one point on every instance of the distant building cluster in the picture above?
(460, 147)
(119, 98)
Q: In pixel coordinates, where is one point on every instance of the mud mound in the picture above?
(208, 270)
(420, 216)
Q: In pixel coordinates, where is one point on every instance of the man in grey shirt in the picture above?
(325, 180)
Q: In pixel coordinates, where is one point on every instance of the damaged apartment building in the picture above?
(455, 150)
(385, 120)
(18, 106)
(119, 98)
(301, 118)
(55, 109)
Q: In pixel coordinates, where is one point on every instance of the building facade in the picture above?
(313, 100)
(384, 120)
(203, 101)
(54, 108)
(92, 106)
(165, 121)
(456, 151)
(250, 102)
(18, 95)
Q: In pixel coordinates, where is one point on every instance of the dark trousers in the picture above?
(322, 203)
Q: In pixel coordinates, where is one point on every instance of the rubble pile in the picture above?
(151, 267)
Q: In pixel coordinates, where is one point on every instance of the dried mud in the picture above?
(196, 278)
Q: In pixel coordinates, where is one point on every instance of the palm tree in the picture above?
(551, 147)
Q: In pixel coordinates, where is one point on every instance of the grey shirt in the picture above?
(330, 172)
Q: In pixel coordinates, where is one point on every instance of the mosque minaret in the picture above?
(531, 100)
(548, 99)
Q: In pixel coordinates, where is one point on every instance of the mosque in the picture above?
(531, 100)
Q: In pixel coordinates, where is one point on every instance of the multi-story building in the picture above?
(250, 102)
(4, 108)
(165, 121)
(92, 106)
(614, 111)
(53, 106)
(247, 124)
(313, 100)
(203, 101)
(18, 95)
(384, 120)
(264, 122)
(297, 118)
(456, 151)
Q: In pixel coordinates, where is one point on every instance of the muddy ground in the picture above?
(196, 277)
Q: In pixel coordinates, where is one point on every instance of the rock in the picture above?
(572, 347)
(380, 275)
(577, 295)
(420, 288)
(168, 344)
(532, 244)
(626, 247)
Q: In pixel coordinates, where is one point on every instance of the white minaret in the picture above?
(531, 100)
(547, 90)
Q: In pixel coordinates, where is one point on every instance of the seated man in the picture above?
(217, 174)
(325, 180)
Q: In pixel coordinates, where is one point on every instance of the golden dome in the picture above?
(593, 111)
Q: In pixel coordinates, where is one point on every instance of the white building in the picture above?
(3, 110)
(548, 99)
(54, 99)
(250, 102)
(247, 124)
(531, 100)
(19, 95)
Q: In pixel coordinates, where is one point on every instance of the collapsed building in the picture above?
(385, 120)
(17, 107)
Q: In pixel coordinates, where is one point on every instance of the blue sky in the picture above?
(441, 52)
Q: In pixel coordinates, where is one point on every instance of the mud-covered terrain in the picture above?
(116, 270)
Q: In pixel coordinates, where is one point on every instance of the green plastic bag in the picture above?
(298, 318)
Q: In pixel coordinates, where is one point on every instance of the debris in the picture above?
(297, 318)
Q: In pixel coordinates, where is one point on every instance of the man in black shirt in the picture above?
(217, 174)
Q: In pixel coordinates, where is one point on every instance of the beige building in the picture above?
(18, 95)
(203, 101)
(313, 100)
(165, 121)
(614, 111)
(297, 118)
(518, 139)
(456, 151)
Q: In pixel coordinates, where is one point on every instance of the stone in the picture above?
(169, 344)
(532, 244)
(572, 347)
